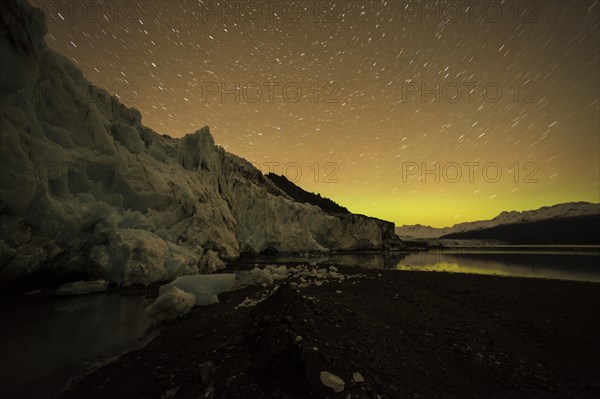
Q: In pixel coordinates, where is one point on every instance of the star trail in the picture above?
(415, 112)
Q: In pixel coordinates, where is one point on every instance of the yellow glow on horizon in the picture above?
(458, 206)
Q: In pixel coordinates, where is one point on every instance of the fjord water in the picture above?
(554, 263)
(45, 343)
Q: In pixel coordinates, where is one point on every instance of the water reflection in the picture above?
(45, 344)
(555, 265)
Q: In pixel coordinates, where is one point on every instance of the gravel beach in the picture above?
(407, 335)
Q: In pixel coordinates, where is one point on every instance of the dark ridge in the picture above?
(416, 244)
(303, 196)
(577, 230)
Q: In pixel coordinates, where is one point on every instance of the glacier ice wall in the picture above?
(86, 188)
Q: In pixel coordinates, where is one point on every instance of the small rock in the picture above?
(209, 393)
(228, 381)
(206, 369)
(338, 292)
(357, 377)
(171, 392)
(332, 381)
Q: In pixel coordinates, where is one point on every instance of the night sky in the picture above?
(354, 117)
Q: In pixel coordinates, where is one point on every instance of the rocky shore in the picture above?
(380, 333)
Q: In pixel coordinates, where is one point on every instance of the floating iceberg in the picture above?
(205, 287)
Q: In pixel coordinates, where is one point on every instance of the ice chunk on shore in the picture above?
(82, 287)
(332, 381)
(266, 276)
(171, 304)
(205, 287)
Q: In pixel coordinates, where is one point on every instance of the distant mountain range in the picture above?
(568, 223)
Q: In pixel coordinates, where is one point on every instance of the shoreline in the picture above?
(408, 333)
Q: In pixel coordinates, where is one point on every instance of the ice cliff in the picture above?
(85, 188)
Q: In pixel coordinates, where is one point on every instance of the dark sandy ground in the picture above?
(409, 334)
